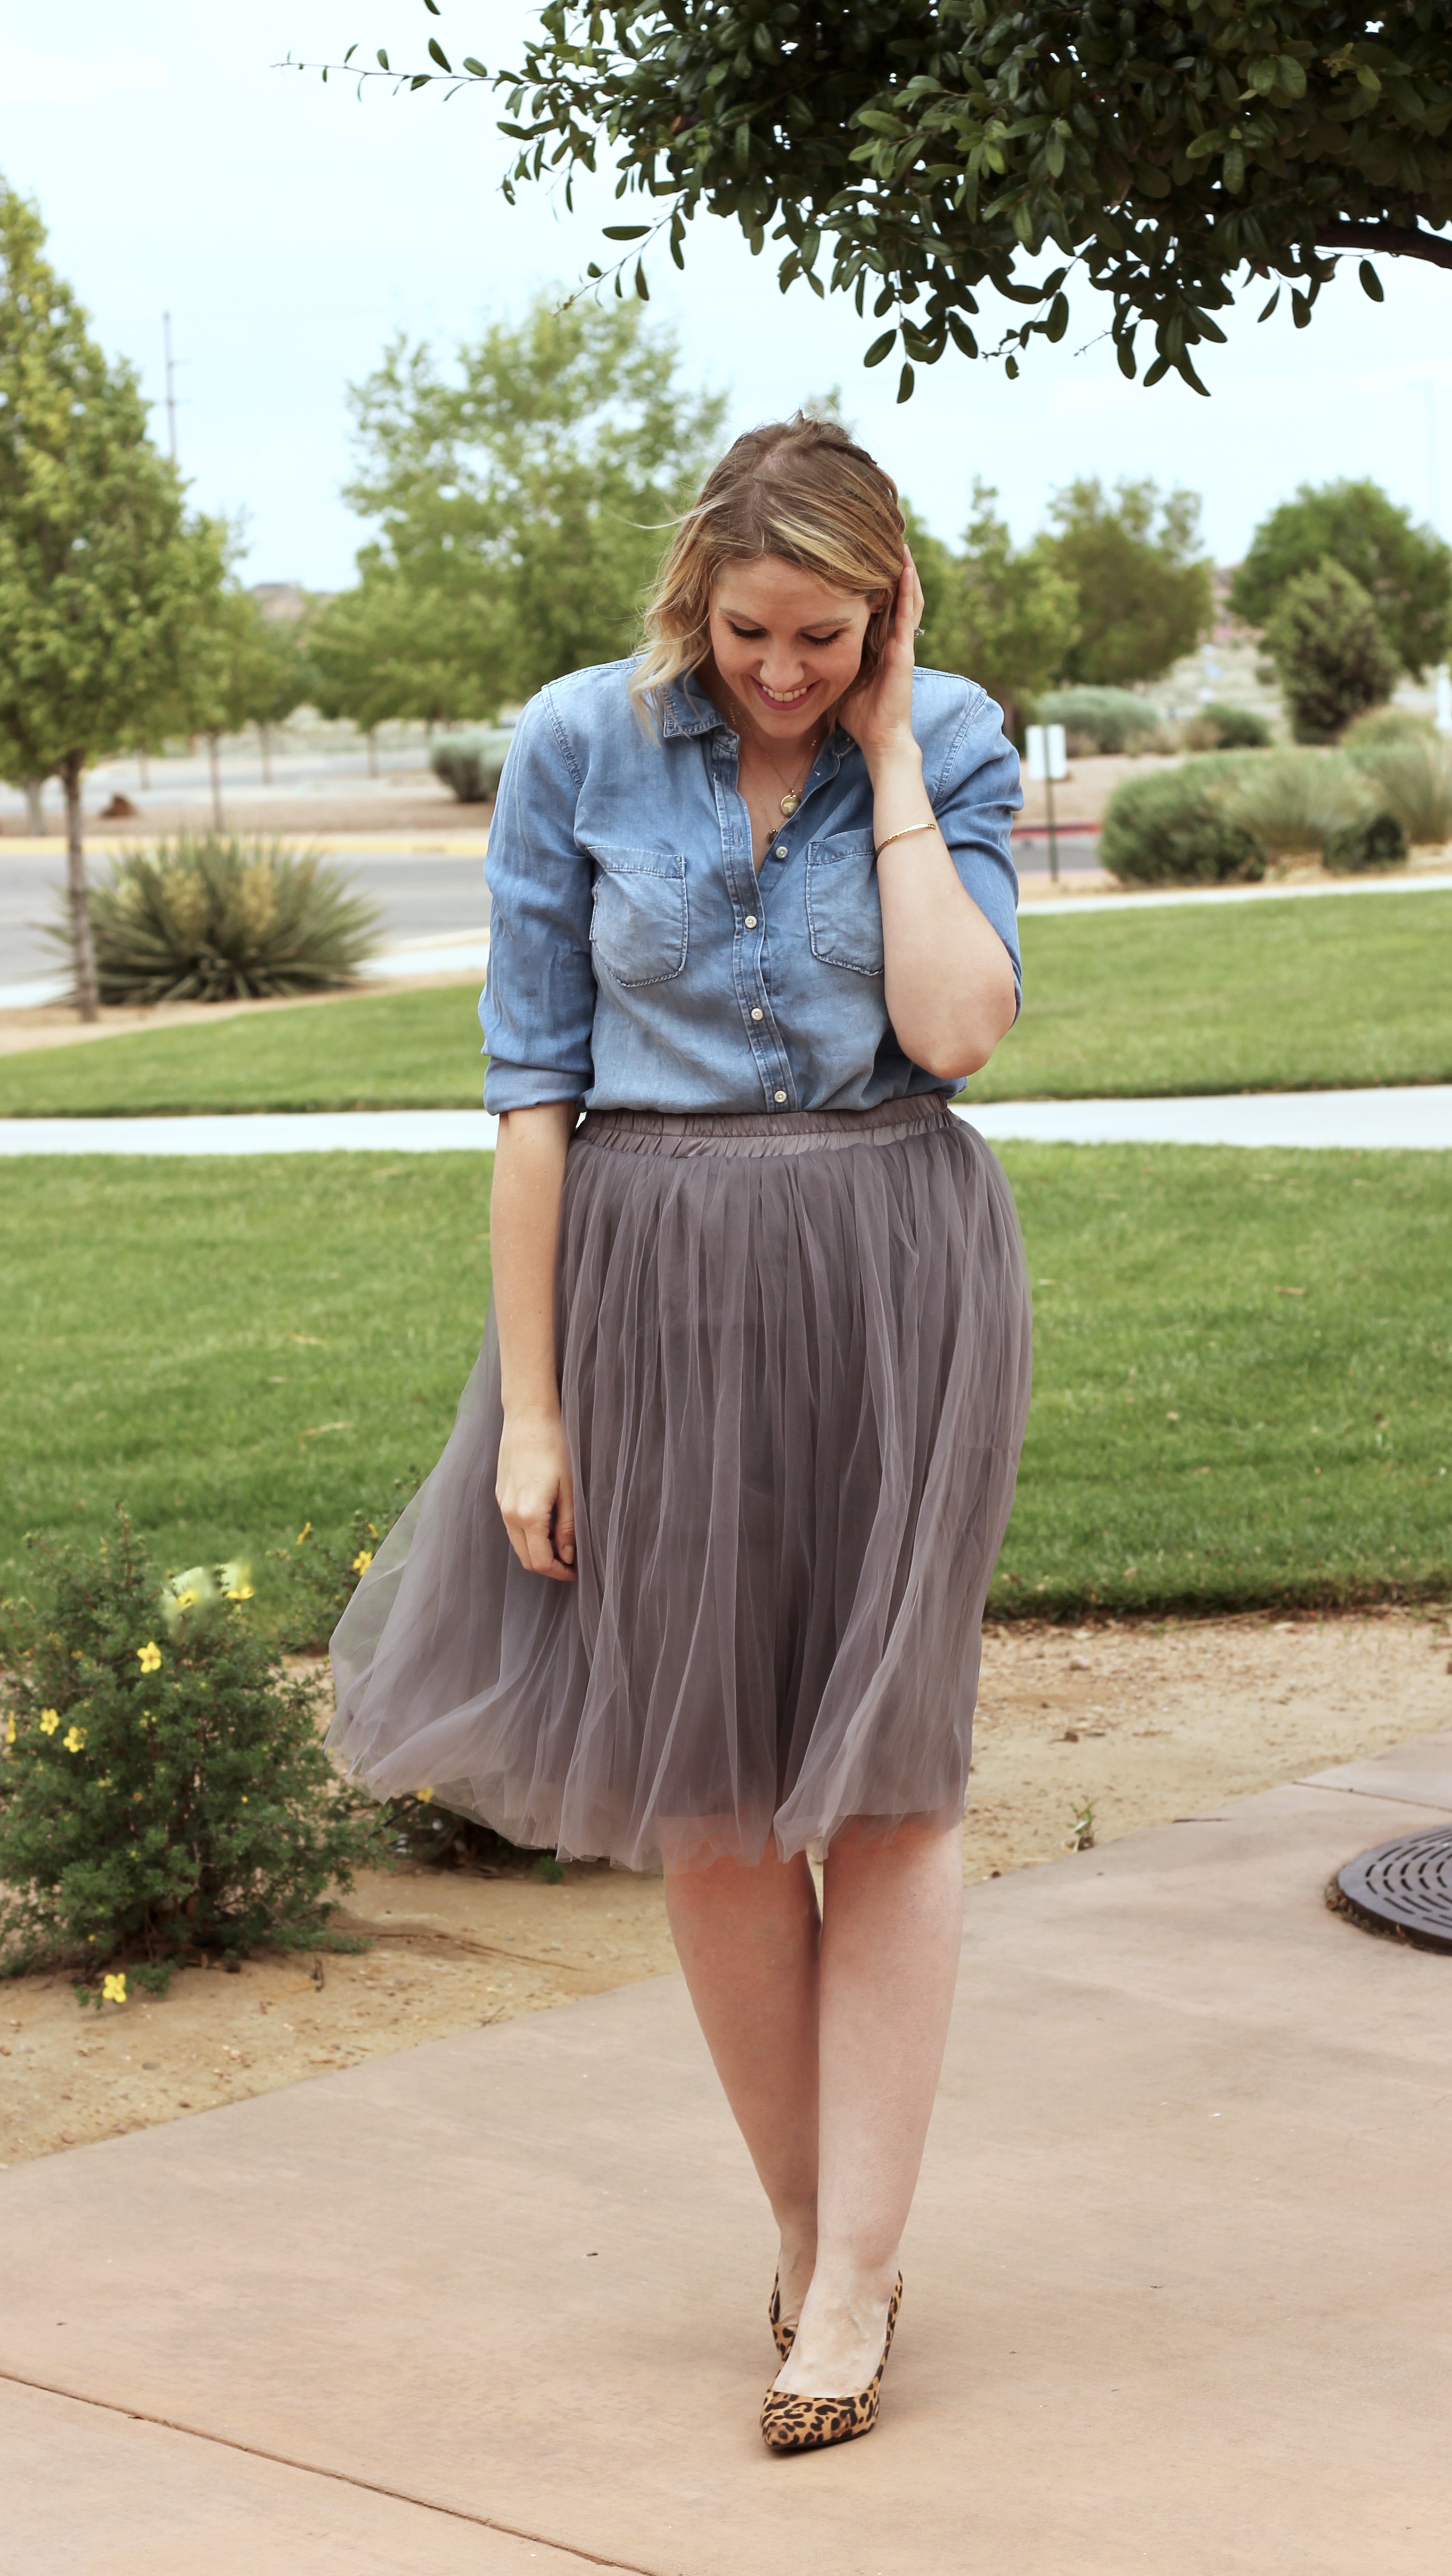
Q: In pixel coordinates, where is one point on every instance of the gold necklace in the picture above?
(793, 797)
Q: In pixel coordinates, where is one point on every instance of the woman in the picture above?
(698, 1580)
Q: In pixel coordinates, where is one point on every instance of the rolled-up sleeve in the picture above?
(538, 1004)
(970, 770)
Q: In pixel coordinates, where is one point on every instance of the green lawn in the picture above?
(235, 1348)
(1297, 996)
(1243, 997)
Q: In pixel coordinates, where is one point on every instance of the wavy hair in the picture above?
(801, 489)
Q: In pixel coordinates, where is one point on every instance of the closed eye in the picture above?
(748, 634)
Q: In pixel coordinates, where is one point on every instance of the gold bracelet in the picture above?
(905, 834)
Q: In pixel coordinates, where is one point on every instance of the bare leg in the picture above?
(830, 2065)
(747, 1940)
(891, 1933)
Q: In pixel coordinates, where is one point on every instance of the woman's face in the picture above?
(786, 645)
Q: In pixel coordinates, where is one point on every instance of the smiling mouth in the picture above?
(785, 698)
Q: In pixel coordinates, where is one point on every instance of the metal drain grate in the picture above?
(1404, 1886)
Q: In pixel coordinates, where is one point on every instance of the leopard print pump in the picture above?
(783, 2336)
(815, 2423)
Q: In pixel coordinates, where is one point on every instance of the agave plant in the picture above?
(204, 918)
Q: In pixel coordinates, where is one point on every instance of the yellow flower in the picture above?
(149, 1657)
(113, 1990)
(240, 1592)
(74, 1739)
(424, 1796)
(305, 1532)
(49, 1720)
(362, 1560)
(9, 1730)
(372, 1528)
(186, 1600)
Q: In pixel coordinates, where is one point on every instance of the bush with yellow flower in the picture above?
(164, 1793)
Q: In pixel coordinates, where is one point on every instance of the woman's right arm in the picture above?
(534, 1489)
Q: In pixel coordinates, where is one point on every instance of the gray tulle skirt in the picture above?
(794, 1368)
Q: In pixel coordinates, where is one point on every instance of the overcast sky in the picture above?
(289, 230)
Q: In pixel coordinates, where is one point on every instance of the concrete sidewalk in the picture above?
(1176, 2280)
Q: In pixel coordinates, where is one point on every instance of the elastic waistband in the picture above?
(797, 1131)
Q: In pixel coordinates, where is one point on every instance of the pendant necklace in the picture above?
(793, 796)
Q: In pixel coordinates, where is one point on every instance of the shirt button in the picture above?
(751, 921)
(779, 1096)
(758, 1015)
(781, 851)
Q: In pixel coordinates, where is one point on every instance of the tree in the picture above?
(396, 646)
(244, 668)
(102, 575)
(1165, 147)
(1328, 647)
(1007, 619)
(528, 495)
(1406, 571)
(1146, 596)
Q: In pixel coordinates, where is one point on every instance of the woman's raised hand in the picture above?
(878, 712)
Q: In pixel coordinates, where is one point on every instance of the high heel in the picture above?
(815, 2423)
(783, 2336)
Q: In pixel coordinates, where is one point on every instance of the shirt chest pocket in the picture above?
(639, 922)
(844, 913)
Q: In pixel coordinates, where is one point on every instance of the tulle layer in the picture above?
(795, 1376)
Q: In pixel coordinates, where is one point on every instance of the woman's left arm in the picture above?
(949, 978)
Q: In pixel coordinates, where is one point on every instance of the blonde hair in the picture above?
(801, 489)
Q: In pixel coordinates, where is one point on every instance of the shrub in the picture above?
(1221, 727)
(164, 1791)
(208, 919)
(1377, 841)
(1102, 719)
(472, 764)
(1329, 648)
(324, 1579)
(1291, 800)
(1411, 776)
(1388, 724)
(1172, 829)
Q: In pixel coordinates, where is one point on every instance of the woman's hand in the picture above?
(536, 1495)
(878, 712)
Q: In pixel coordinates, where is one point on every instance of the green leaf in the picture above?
(1289, 76)
(1371, 282)
(474, 66)
(641, 289)
(1125, 354)
(383, 59)
(1300, 309)
(963, 335)
(879, 349)
(1058, 321)
(1267, 310)
(438, 55)
(905, 385)
(625, 232)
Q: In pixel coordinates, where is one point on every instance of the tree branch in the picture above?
(1403, 240)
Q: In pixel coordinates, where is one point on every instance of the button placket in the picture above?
(768, 1053)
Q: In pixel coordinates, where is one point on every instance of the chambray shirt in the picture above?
(638, 961)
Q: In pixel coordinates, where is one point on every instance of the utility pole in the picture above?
(170, 386)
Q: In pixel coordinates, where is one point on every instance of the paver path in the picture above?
(1175, 2280)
